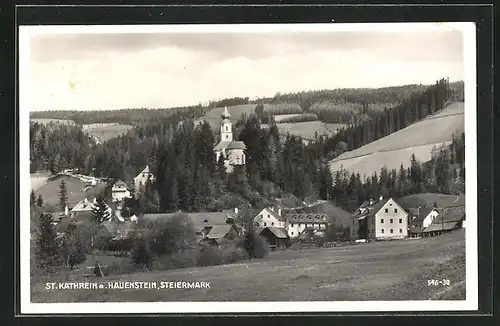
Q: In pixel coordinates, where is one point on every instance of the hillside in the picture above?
(106, 131)
(428, 199)
(307, 129)
(50, 190)
(396, 149)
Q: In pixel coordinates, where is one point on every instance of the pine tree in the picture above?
(63, 195)
(100, 211)
(47, 251)
(32, 197)
(39, 201)
(73, 249)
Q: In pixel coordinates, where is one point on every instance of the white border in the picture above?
(471, 302)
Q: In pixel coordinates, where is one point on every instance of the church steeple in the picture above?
(225, 114)
(226, 126)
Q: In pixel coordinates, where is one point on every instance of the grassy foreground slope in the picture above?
(397, 148)
(393, 270)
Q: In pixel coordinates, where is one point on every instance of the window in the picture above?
(268, 216)
(264, 223)
(272, 223)
(400, 220)
(387, 210)
(392, 231)
(381, 220)
(400, 230)
(395, 210)
(292, 233)
(261, 216)
(292, 225)
(227, 128)
(382, 231)
(227, 136)
(391, 220)
(353, 222)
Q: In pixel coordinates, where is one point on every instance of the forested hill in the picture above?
(188, 176)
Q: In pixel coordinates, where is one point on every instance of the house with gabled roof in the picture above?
(142, 178)
(120, 191)
(268, 216)
(276, 237)
(420, 218)
(383, 219)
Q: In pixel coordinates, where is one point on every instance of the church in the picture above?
(233, 151)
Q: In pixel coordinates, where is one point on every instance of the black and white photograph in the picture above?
(248, 168)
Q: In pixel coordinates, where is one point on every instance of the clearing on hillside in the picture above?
(37, 180)
(307, 129)
(106, 131)
(397, 148)
(50, 190)
(385, 270)
(428, 199)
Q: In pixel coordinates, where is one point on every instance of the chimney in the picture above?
(279, 211)
(371, 201)
(95, 200)
(236, 210)
(66, 210)
(380, 198)
(85, 201)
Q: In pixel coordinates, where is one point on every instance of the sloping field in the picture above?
(50, 190)
(213, 117)
(281, 117)
(307, 129)
(372, 271)
(394, 149)
(37, 180)
(429, 199)
(105, 132)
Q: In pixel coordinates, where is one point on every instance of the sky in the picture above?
(82, 71)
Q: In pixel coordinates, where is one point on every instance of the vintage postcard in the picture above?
(248, 168)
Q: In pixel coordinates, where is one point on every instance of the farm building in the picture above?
(384, 219)
(449, 219)
(120, 191)
(83, 209)
(269, 217)
(296, 224)
(218, 234)
(142, 178)
(421, 218)
(233, 151)
(276, 237)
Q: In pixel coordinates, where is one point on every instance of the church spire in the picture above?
(225, 114)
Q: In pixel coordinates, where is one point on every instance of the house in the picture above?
(451, 218)
(421, 218)
(383, 219)
(142, 178)
(276, 237)
(232, 151)
(218, 234)
(83, 209)
(120, 191)
(202, 222)
(296, 223)
(269, 217)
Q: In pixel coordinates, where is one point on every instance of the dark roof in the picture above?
(236, 144)
(219, 231)
(441, 227)
(277, 232)
(306, 218)
(120, 184)
(370, 210)
(451, 214)
(222, 145)
(421, 214)
(273, 213)
(199, 220)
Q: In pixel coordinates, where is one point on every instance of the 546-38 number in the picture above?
(444, 282)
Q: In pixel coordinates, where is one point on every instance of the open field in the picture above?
(392, 270)
(38, 180)
(50, 190)
(394, 149)
(429, 199)
(106, 131)
(214, 119)
(307, 129)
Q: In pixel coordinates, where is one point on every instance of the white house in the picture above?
(120, 191)
(269, 217)
(142, 178)
(384, 219)
(296, 224)
(233, 151)
(422, 217)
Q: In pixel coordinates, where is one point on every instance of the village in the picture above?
(282, 227)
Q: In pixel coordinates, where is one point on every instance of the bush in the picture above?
(210, 256)
(183, 259)
(256, 245)
(116, 268)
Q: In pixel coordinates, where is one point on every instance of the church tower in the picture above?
(226, 127)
